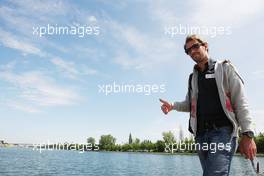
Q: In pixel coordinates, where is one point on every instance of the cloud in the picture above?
(67, 67)
(20, 18)
(92, 19)
(39, 89)
(39, 8)
(15, 21)
(9, 40)
(135, 49)
(224, 12)
(165, 13)
(88, 71)
(9, 66)
(117, 6)
(71, 69)
(24, 15)
(22, 107)
(205, 12)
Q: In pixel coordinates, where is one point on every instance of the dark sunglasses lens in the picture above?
(194, 46)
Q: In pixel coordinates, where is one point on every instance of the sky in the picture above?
(66, 66)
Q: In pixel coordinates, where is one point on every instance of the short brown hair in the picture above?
(194, 37)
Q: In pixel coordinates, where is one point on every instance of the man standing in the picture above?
(218, 108)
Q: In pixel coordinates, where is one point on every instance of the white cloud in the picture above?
(39, 8)
(15, 21)
(71, 69)
(165, 13)
(20, 18)
(67, 67)
(92, 19)
(224, 12)
(112, 3)
(22, 22)
(39, 89)
(8, 66)
(205, 13)
(9, 40)
(88, 71)
(22, 107)
(145, 51)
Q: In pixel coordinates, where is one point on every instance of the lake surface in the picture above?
(27, 162)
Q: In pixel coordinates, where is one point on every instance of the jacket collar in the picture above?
(211, 62)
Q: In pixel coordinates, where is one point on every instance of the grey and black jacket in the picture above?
(232, 96)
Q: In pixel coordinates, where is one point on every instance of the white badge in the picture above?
(208, 76)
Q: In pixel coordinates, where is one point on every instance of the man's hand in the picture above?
(165, 107)
(247, 147)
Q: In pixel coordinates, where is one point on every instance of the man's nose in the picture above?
(191, 51)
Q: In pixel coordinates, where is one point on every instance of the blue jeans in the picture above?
(216, 157)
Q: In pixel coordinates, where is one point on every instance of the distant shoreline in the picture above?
(176, 153)
(134, 152)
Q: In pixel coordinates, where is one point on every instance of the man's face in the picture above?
(197, 51)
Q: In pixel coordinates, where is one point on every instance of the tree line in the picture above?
(108, 143)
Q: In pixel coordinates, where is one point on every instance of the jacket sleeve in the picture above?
(238, 99)
(183, 106)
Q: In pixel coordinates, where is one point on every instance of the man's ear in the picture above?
(205, 44)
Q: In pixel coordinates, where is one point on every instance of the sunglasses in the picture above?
(194, 46)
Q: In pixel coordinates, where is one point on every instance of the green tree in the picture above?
(107, 142)
(260, 142)
(168, 137)
(160, 146)
(91, 140)
(136, 144)
(147, 145)
(126, 147)
(137, 141)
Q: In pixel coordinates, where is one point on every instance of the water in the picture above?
(26, 162)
